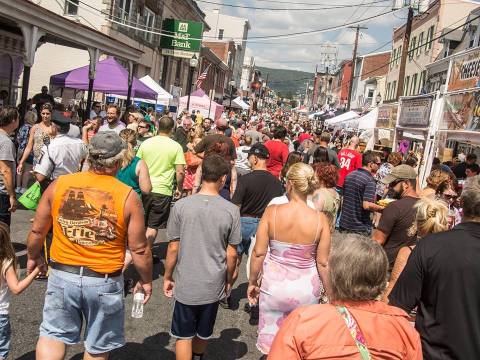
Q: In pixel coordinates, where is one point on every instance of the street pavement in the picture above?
(147, 338)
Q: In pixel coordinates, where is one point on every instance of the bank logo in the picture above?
(183, 27)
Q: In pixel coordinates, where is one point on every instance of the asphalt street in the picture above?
(147, 338)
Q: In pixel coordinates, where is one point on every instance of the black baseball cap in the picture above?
(258, 150)
(60, 119)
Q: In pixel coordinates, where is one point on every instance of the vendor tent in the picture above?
(368, 121)
(200, 101)
(163, 97)
(110, 78)
(338, 120)
(242, 103)
(236, 103)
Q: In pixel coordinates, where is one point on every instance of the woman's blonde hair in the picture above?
(303, 178)
(437, 177)
(30, 117)
(130, 137)
(431, 217)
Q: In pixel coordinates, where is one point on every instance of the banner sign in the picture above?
(461, 112)
(387, 116)
(465, 71)
(415, 112)
(184, 40)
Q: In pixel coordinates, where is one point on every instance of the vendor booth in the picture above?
(111, 78)
(200, 101)
(341, 121)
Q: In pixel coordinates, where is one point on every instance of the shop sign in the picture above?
(387, 116)
(465, 71)
(461, 112)
(415, 112)
(186, 40)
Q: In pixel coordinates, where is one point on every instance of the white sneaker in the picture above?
(17, 190)
(22, 190)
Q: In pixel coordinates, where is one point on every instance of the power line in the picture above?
(290, 8)
(283, 36)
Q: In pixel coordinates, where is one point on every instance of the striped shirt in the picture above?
(359, 186)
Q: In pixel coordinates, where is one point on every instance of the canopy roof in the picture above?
(200, 101)
(337, 120)
(163, 97)
(111, 77)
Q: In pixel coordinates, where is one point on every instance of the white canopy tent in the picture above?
(311, 116)
(163, 96)
(241, 103)
(341, 119)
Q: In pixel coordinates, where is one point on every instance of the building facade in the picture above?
(225, 27)
(425, 45)
(136, 23)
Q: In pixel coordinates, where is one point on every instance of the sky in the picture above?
(306, 51)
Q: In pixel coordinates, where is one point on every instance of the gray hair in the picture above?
(358, 268)
(470, 198)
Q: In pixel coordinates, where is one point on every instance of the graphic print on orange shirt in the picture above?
(87, 216)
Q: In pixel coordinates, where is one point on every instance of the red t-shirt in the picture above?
(349, 160)
(278, 156)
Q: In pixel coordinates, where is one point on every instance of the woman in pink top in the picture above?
(354, 325)
(278, 151)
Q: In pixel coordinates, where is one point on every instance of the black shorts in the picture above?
(157, 210)
(5, 215)
(191, 321)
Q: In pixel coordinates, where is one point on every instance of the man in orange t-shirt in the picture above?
(92, 215)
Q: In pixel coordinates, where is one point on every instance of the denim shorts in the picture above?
(70, 297)
(248, 227)
(5, 334)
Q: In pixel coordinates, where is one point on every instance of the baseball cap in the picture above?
(59, 118)
(258, 150)
(106, 145)
(400, 172)
(304, 136)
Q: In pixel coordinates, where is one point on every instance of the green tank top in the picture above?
(129, 177)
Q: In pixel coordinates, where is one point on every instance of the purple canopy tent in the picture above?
(110, 77)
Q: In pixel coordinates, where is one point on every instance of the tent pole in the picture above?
(130, 76)
(94, 54)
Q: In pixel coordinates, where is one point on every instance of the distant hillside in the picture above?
(286, 82)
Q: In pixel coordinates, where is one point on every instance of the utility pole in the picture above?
(354, 60)
(405, 50)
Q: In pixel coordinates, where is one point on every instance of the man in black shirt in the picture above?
(397, 218)
(253, 194)
(460, 169)
(442, 278)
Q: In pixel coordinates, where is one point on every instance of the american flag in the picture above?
(202, 77)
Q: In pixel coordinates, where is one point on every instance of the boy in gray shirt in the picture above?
(204, 231)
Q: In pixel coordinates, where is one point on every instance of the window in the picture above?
(399, 55)
(420, 43)
(428, 43)
(472, 31)
(413, 90)
(406, 85)
(394, 89)
(220, 34)
(71, 7)
(370, 93)
(387, 95)
(411, 50)
(148, 22)
(394, 59)
(423, 80)
(125, 7)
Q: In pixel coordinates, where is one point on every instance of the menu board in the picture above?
(415, 112)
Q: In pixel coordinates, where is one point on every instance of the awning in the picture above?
(242, 103)
(200, 101)
(338, 120)
(163, 97)
(111, 78)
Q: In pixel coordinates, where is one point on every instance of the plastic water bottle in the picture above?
(137, 308)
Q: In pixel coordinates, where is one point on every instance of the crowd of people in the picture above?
(343, 248)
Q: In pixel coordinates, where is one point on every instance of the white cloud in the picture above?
(285, 53)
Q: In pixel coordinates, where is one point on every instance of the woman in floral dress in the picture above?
(295, 267)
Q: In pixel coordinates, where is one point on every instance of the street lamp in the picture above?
(193, 65)
(378, 98)
(232, 84)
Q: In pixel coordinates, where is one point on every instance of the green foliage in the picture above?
(286, 83)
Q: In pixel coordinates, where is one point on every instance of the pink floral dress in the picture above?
(290, 279)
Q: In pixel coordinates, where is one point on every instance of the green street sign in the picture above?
(181, 41)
